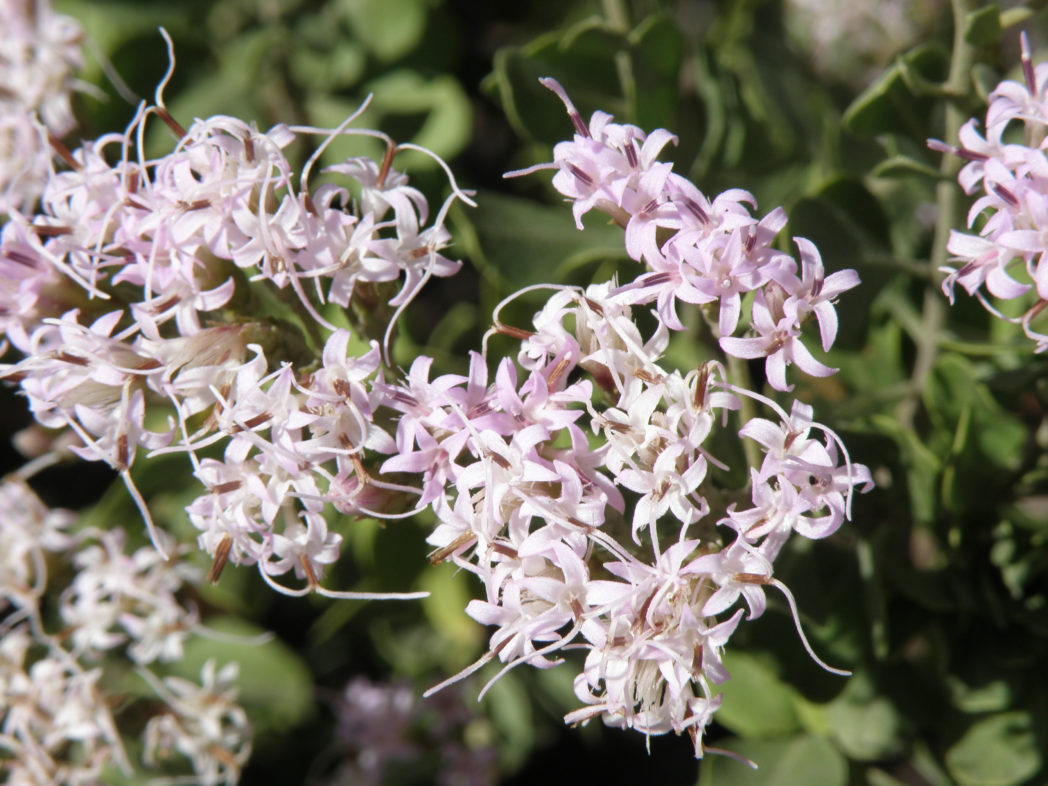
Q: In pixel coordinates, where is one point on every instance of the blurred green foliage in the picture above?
(936, 595)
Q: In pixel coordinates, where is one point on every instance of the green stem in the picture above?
(618, 18)
(947, 200)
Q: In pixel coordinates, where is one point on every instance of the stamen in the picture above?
(1028, 72)
(62, 151)
(387, 162)
(171, 123)
(221, 556)
(696, 210)
(580, 174)
(573, 113)
(631, 152)
(1005, 194)
(513, 332)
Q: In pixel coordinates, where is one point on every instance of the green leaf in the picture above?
(983, 26)
(448, 116)
(235, 87)
(795, 760)
(432, 113)
(338, 68)
(888, 105)
(864, 723)
(525, 242)
(985, 80)
(992, 696)
(510, 708)
(955, 393)
(904, 166)
(657, 58)
(108, 24)
(921, 463)
(996, 751)
(275, 687)
(449, 593)
(389, 28)
(583, 59)
(756, 702)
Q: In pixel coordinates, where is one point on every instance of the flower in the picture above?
(1009, 255)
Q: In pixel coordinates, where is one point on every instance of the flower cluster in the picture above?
(39, 54)
(140, 290)
(57, 724)
(203, 723)
(197, 303)
(697, 251)
(1009, 256)
(566, 528)
(383, 730)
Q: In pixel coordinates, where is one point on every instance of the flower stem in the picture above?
(947, 202)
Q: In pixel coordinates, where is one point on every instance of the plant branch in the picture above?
(947, 201)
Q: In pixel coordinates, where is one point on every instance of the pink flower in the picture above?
(778, 340)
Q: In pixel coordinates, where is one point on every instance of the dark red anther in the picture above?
(579, 123)
(1005, 194)
(701, 385)
(580, 174)
(441, 554)
(225, 488)
(631, 152)
(22, 259)
(696, 210)
(1028, 73)
(43, 230)
(75, 360)
(121, 451)
(504, 550)
(219, 562)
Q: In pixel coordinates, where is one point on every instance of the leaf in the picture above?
(996, 751)
(904, 166)
(111, 23)
(236, 87)
(888, 105)
(983, 26)
(802, 759)
(985, 80)
(922, 467)
(337, 68)
(992, 438)
(448, 116)
(389, 28)
(509, 706)
(525, 242)
(449, 594)
(432, 113)
(585, 68)
(658, 51)
(865, 724)
(992, 696)
(756, 702)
